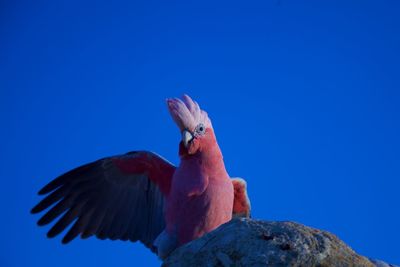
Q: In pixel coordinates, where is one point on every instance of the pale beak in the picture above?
(186, 137)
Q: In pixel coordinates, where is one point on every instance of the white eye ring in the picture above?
(200, 129)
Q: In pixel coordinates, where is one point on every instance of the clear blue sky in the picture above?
(304, 99)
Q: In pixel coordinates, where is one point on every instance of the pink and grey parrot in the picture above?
(141, 196)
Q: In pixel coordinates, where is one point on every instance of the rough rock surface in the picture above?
(247, 242)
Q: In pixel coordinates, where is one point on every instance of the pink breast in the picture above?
(191, 217)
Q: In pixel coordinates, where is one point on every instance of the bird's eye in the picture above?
(200, 129)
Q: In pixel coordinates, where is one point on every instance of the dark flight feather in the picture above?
(120, 197)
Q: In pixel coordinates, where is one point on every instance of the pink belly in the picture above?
(192, 217)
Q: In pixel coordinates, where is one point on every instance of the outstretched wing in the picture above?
(119, 197)
(241, 202)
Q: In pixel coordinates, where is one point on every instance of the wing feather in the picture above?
(49, 200)
(241, 202)
(119, 197)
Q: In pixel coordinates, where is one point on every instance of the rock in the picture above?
(247, 242)
(379, 263)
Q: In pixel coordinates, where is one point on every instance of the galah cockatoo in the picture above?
(141, 196)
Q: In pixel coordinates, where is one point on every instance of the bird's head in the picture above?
(194, 124)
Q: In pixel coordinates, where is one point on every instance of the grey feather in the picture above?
(102, 200)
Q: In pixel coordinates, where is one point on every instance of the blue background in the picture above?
(304, 99)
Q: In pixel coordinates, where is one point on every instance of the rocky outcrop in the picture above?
(247, 242)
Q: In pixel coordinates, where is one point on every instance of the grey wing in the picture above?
(120, 197)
